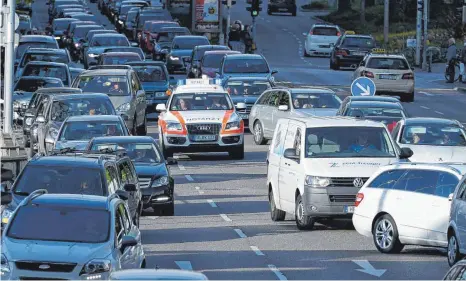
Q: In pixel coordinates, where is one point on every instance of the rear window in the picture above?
(388, 63)
(325, 31)
(358, 42)
(47, 71)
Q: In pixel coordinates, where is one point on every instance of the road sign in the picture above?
(363, 86)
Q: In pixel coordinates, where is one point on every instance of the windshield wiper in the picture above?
(64, 150)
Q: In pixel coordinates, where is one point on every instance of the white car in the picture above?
(321, 39)
(407, 204)
(316, 165)
(201, 117)
(432, 140)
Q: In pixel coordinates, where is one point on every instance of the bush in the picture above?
(315, 5)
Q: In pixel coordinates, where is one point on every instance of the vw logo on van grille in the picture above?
(203, 128)
(358, 182)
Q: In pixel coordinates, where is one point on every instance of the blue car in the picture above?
(155, 82)
(240, 65)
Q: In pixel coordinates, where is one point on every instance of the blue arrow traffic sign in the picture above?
(363, 86)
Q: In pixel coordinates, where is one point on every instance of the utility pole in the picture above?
(9, 65)
(363, 13)
(254, 38)
(420, 7)
(228, 3)
(424, 43)
(386, 22)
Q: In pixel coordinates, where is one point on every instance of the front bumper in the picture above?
(22, 274)
(329, 201)
(185, 143)
(156, 196)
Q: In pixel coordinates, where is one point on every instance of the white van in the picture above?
(316, 165)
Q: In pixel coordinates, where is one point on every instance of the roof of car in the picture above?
(157, 274)
(72, 201)
(49, 63)
(248, 78)
(145, 62)
(110, 34)
(313, 90)
(372, 98)
(88, 25)
(117, 54)
(190, 37)
(64, 160)
(245, 56)
(58, 90)
(81, 96)
(37, 38)
(358, 35)
(430, 120)
(219, 52)
(372, 55)
(123, 139)
(211, 47)
(375, 104)
(337, 121)
(45, 51)
(93, 118)
(39, 78)
(101, 72)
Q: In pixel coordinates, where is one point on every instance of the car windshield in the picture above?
(245, 66)
(388, 63)
(59, 72)
(247, 87)
(358, 42)
(138, 152)
(188, 43)
(348, 142)
(76, 107)
(60, 224)
(31, 85)
(120, 59)
(433, 134)
(315, 100)
(60, 179)
(108, 84)
(105, 41)
(212, 60)
(61, 24)
(150, 73)
(81, 31)
(23, 47)
(156, 27)
(86, 130)
(57, 57)
(200, 101)
(325, 31)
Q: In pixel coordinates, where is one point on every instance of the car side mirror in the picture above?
(127, 241)
(171, 161)
(40, 119)
(161, 107)
(450, 197)
(6, 196)
(123, 194)
(130, 187)
(134, 44)
(241, 105)
(406, 152)
(290, 153)
(274, 72)
(283, 107)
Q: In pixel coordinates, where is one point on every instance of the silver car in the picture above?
(278, 103)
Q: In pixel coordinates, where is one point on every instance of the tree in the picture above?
(370, 3)
(344, 5)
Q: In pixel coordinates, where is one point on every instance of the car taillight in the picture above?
(408, 76)
(367, 74)
(341, 53)
(359, 198)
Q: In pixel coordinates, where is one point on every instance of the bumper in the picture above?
(178, 143)
(349, 60)
(330, 201)
(319, 49)
(362, 225)
(153, 196)
(394, 87)
(18, 274)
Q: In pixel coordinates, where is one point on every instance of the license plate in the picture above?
(204, 137)
(388, 77)
(160, 94)
(324, 46)
(358, 54)
(349, 209)
(244, 116)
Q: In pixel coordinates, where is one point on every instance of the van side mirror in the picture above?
(127, 241)
(290, 153)
(130, 187)
(406, 152)
(283, 107)
(40, 119)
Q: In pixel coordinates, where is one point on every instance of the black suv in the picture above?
(350, 50)
(68, 173)
(282, 6)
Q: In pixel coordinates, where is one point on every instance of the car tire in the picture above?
(237, 153)
(142, 130)
(168, 210)
(332, 65)
(275, 214)
(408, 98)
(258, 132)
(453, 255)
(384, 228)
(143, 264)
(294, 13)
(303, 222)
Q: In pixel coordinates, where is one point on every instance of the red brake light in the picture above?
(341, 53)
(359, 198)
(408, 76)
(368, 74)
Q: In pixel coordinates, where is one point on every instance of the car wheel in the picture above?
(259, 134)
(275, 214)
(143, 264)
(142, 130)
(303, 222)
(237, 153)
(332, 65)
(408, 98)
(453, 250)
(168, 209)
(385, 235)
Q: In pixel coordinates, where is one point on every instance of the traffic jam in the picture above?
(107, 113)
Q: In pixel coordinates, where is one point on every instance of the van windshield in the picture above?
(348, 142)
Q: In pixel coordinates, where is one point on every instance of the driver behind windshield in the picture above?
(362, 143)
(218, 103)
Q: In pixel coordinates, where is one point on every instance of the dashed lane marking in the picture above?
(277, 272)
(438, 112)
(212, 203)
(240, 233)
(189, 178)
(425, 107)
(197, 187)
(257, 251)
(225, 217)
(181, 167)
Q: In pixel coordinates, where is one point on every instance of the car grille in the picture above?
(342, 198)
(53, 266)
(246, 110)
(203, 129)
(144, 182)
(344, 181)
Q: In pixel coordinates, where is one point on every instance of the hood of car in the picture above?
(436, 154)
(150, 170)
(226, 75)
(119, 100)
(181, 53)
(78, 145)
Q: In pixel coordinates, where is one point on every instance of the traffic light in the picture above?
(255, 7)
(420, 5)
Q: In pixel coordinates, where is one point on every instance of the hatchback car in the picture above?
(48, 69)
(34, 41)
(198, 52)
(181, 49)
(245, 65)
(99, 43)
(282, 6)
(210, 63)
(350, 50)
(321, 39)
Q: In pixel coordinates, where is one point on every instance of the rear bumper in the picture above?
(362, 225)
(395, 87)
(318, 49)
(349, 60)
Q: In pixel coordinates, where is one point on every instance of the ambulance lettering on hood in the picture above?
(216, 116)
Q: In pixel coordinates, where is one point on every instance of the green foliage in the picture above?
(316, 5)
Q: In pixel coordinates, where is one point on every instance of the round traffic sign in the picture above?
(363, 86)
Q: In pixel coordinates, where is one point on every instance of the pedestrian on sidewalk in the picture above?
(463, 62)
(451, 57)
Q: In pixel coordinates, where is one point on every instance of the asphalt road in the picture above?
(222, 226)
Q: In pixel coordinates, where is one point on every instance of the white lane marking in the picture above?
(181, 167)
(257, 251)
(212, 203)
(240, 233)
(438, 112)
(197, 187)
(152, 217)
(368, 268)
(340, 90)
(425, 107)
(277, 272)
(427, 94)
(189, 178)
(184, 265)
(225, 217)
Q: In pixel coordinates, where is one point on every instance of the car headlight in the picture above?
(124, 107)
(77, 45)
(160, 94)
(120, 21)
(313, 181)
(53, 133)
(174, 58)
(28, 121)
(4, 266)
(160, 181)
(6, 215)
(92, 55)
(232, 125)
(174, 126)
(96, 266)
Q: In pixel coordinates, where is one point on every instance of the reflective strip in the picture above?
(227, 116)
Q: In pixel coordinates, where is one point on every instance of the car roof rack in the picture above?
(34, 194)
(109, 67)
